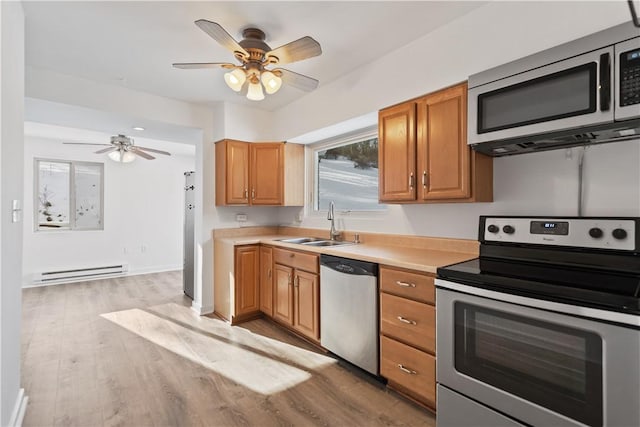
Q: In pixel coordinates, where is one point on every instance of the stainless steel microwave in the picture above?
(582, 92)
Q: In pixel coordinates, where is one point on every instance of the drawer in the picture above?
(412, 371)
(303, 261)
(411, 285)
(408, 321)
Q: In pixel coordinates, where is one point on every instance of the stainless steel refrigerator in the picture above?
(189, 237)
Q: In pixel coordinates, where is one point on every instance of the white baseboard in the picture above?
(150, 270)
(19, 409)
(200, 309)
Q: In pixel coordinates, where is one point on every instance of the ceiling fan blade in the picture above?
(153, 150)
(196, 65)
(297, 50)
(300, 81)
(106, 150)
(141, 153)
(221, 35)
(83, 143)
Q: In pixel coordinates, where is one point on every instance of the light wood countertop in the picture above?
(425, 259)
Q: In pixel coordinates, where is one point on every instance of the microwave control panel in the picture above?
(630, 77)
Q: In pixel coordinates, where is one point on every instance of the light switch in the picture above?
(16, 211)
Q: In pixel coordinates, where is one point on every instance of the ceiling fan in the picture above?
(255, 56)
(122, 149)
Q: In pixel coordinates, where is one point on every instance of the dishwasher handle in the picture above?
(349, 266)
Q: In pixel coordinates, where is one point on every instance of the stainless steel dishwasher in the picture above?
(349, 310)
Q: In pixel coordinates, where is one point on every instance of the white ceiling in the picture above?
(134, 43)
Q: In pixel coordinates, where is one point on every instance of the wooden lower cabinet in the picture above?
(407, 333)
(247, 293)
(266, 280)
(283, 295)
(409, 370)
(306, 304)
(297, 291)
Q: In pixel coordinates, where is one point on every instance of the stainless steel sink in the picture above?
(314, 241)
(301, 240)
(327, 243)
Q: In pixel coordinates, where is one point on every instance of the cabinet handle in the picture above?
(253, 194)
(291, 255)
(289, 278)
(297, 281)
(405, 370)
(269, 273)
(405, 284)
(424, 179)
(411, 180)
(246, 193)
(407, 321)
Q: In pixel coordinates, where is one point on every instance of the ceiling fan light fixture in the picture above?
(235, 79)
(122, 156)
(255, 92)
(271, 82)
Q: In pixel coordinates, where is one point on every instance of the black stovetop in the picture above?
(610, 287)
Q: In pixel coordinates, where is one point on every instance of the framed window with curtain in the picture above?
(69, 195)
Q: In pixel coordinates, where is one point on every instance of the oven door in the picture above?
(540, 367)
(568, 94)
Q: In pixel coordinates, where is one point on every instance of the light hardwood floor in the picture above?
(129, 351)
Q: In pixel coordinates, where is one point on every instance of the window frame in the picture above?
(312, 173)
(72, 196)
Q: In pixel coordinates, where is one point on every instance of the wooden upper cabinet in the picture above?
(397, 153)
(266, 280)
(423, 152)
(232, 173)
(443, 154)
(270, 173)
(247, 294)
(267, 173)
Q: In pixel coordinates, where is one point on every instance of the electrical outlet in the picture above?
(143, 248)
(241, 217)
(125, 250)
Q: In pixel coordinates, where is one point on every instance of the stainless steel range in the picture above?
(543, 328)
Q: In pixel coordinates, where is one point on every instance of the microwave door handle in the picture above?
(605, 82)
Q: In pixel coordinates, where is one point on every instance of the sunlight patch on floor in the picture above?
(229, 351)
(246, 334)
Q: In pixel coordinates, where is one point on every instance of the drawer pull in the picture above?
(407, 321)
(405, 370)
(405, 284)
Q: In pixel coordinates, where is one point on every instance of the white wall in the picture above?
(11, 137)
(143, 213)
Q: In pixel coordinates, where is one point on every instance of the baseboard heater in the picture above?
(78, 274)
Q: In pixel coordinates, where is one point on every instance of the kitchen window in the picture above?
(346, 172)
(69, 195)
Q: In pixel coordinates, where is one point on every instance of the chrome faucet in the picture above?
(333, 233)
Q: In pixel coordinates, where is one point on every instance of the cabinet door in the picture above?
(397, 153)
(237, 173)
(443, 154)
(266, 280)
(283, 303)
(267, 174)
(306, 304)
(247, 265)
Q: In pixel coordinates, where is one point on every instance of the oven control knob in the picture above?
(493, 228)
(619, 233)
(596, 232)
(508, 229)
